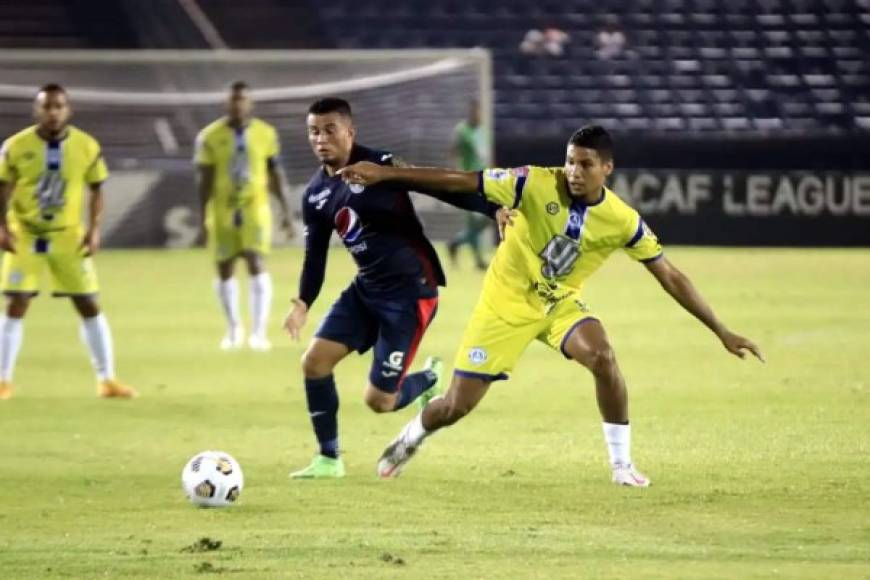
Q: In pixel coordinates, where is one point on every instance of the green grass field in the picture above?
(759, 471)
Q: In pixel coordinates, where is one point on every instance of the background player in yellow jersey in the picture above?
(567, 224)
(238, 163)
(44, 170)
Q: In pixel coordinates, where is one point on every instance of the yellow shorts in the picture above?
(233, 232)
(491, 346)
(72, 273)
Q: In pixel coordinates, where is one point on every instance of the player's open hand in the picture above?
(7, 240)
(738, 345)
(504, 217)
(362, 173)
(296, 319)
(91, 242)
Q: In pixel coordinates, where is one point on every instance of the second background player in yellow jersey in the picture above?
(568, 224)
(238, 164)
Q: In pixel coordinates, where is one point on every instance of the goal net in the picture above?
(146, 108)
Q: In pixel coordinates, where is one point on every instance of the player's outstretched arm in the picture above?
(424, 178)
(683, 291)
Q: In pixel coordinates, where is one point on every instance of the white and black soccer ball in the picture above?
(212, 479)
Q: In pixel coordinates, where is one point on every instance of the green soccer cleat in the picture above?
(322, 467)
(436, 365)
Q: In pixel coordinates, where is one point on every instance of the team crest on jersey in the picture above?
(356, 188)
(477, 355)
(348, 225)
(552, 208)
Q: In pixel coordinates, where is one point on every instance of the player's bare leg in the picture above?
(97, 337)
(227, 289)
(588, 345)
(461, 398)
(11, 335)
(318, 363)
(260, 297)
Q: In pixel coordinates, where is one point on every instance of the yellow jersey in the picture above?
(49, 178)
(241, 159)
(556, 242)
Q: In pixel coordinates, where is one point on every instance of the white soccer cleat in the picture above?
(235, 338)
(629, 476)
(396, 456)
(259, 343)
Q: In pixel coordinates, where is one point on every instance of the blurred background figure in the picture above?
(549, 40)
(469, 153)
(610, 41)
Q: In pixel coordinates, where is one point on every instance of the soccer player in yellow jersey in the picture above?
(44, 171)
(568, 223)
(238, 163)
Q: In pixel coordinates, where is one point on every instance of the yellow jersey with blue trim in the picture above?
(556, 242)
(241, 158)
(49, 177)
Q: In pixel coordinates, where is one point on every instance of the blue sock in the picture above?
(412, 386)
(323, 410)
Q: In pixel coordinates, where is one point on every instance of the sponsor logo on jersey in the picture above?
(358, 248)
(477, 355)
(348, 225)
(497, 174)
(320, 197)
(520, 171)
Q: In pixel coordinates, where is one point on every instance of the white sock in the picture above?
(414, 431)
(96, 335)
(260, 298)
(11, 335)
(618, 439)
(228, 294)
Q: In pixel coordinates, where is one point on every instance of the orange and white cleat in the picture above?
(5, 390)
(114, 389)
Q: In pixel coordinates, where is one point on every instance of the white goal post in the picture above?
(147, 106)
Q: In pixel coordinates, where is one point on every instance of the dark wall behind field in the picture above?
(740, 191)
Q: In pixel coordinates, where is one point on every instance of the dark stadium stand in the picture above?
(59, 24)
(799, 66)
(701, 67)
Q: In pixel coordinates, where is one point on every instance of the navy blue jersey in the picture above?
(380, 229)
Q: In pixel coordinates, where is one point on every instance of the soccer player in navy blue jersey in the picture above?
(391, 301)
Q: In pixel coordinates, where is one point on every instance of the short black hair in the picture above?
(239, 86)
(330, 105)
(51, 88)
(594, 137)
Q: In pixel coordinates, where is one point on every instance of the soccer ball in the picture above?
(212, 479)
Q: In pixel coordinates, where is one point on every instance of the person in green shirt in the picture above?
(470, 153)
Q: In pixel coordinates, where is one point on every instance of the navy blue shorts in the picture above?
(393, 326)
